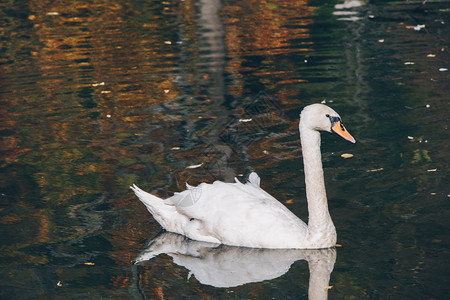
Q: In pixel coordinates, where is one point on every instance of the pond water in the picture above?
(98, 95)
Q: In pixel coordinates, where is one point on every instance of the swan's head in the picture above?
(323, 118)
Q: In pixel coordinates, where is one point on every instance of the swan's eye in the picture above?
(327, 115)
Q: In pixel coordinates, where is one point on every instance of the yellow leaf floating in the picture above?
(375, 170)
(347, 155)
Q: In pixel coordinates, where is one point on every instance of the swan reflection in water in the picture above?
(226, 266)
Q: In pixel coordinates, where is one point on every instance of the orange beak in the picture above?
(339, 128)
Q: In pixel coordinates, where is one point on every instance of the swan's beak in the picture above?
(339, 128)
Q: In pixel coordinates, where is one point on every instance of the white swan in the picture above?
(245, 215)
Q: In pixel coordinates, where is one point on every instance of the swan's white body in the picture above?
(245, 215)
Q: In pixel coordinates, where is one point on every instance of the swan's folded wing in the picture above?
(186, 198)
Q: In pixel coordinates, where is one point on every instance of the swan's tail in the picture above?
(148, 199)
(155, 205)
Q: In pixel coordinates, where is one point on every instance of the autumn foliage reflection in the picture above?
(97, 94)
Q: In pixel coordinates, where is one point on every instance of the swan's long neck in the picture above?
(320, 225)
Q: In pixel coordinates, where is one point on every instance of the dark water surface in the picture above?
(97, 95)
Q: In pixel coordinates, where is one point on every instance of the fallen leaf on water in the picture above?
(175, 148)
(194, 166)
(417, 27)
(375, 170)
(338, 245)
(347, 155)
(245, 120)
(290, 201)
(89, 264)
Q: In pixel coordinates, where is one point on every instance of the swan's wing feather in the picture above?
(181, 199)
(188, 197)
(254, 179)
